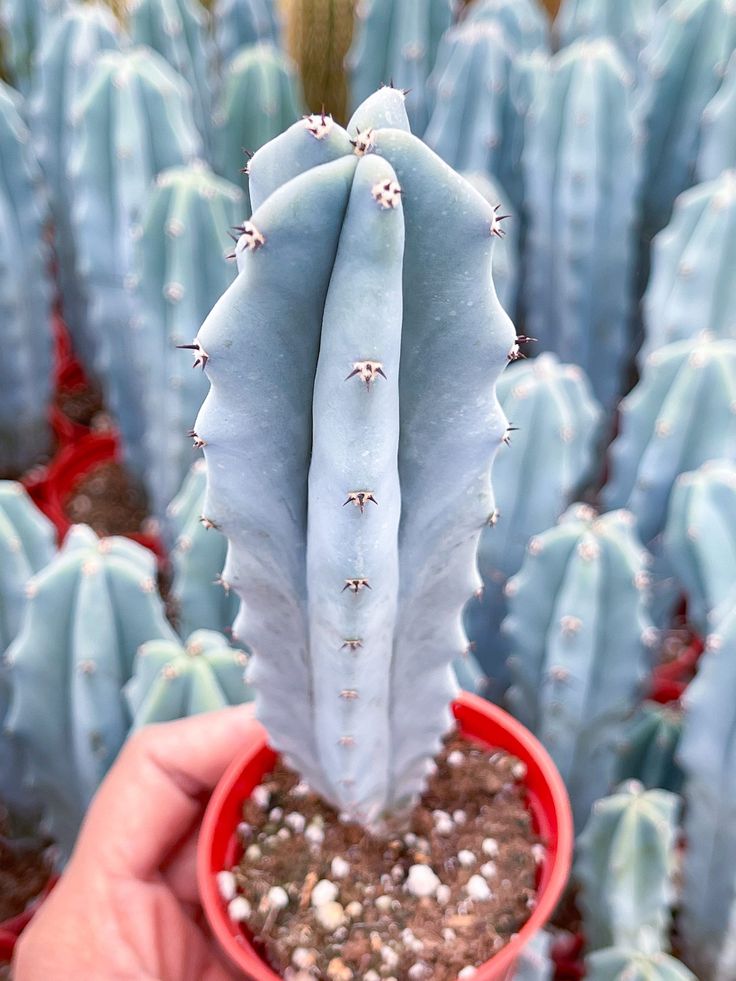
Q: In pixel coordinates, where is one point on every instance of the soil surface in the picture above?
(84, 406)
(326, 901)
(108, 501)
(24, 872)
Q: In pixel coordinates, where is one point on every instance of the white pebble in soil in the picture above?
(467, 972)
(295, 821)
(238, 909)
(302, 957)
(324, 892)
(300, 789)
(339, 867)
(226, 885)
(443, 894)
(488, 870)
(253, 853)
(354, 909)
(466, 858)
(539, 852)
(261, 797)
(330, 916)
(383, 904)
(277, 898)
(276, 814)
(459, 817)
(389, 957)
(477, 888)
(490, 847)
(314, 834)
(456, 758)
(422, 881)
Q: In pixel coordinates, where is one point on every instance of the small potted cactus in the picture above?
(404, 831)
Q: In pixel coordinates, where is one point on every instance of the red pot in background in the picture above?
(477, 719)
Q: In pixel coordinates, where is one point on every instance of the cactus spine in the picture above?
(133, 121)
(579, 637)
(25, 302)
(718, 137)
(181, 271)
(620, 964)
(535, 478)
(172, 681)
(506, 251)
(87, 614)
(692, 286)
(649, 747)
(580, 154)
(396, 42)
(341, 601)
(625, 865)
(683, 383)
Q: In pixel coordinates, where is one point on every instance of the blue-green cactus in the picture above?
(243, 22)
(87, 614)
(581, 154)
(718, 129)
(625, 866)
(25, 297)
(700, 538)
(692, 287)
(678, 416)
(181, 270)
(353, 492)
(22, 26)
(133, 120)
(534, 962)
(506, 252)
(620, 964)
(172, 680)
(627, 22)
(395, 42)
(535, 478)
(708, 901)
(179, 31)
(198, 558)
(260, 98)
(580, 639)
(65, 62)
(27, 544)
(523, 22)
(650, 745)
(684, 63)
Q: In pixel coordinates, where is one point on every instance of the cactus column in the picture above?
(349, 431)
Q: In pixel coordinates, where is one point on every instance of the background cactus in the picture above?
(260, 98)
(580, 154)
(25, 302)
(179, 31)
(706, 755)
(619, 964)
(172, 681)
(627, 22)
(395, 42)
(678, 416)
(692, 288)
(22, 24)
(537, 475)
(243, 22)
(534, 963)
(700, 538)
(87, 614)
(347, 590)
(649, 747)
(718, 129)
(625, 866)
(684, 62)
(523, 22)
(181, 271)
(134, 120)
(579, 638)
(198, 558)
(65, 62)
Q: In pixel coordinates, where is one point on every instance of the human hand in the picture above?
(127, 904)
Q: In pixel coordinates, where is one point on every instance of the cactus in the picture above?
(692, 287)
(706, 921)
(22, 26)
(678, 416)
(625, 866)
(65, 62)
(619, 964)
(25, 301)
(238, 23)
(581, 153)
(579, 634)
(173, 680)
(198, 558)
(181, 271)
(133, 121)
(87, 614)
(260, 98)
(700, 538)
(627, 22)
(524, 25)
(26, 545)
(718, 129)
(179, 31)
(318, 35)
(395, 42)
(536, 477)
(684, 63)
(506, 252)
(649, 748)
(341, 603)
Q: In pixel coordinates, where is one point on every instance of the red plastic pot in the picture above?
(7, 944)
(477, 719)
